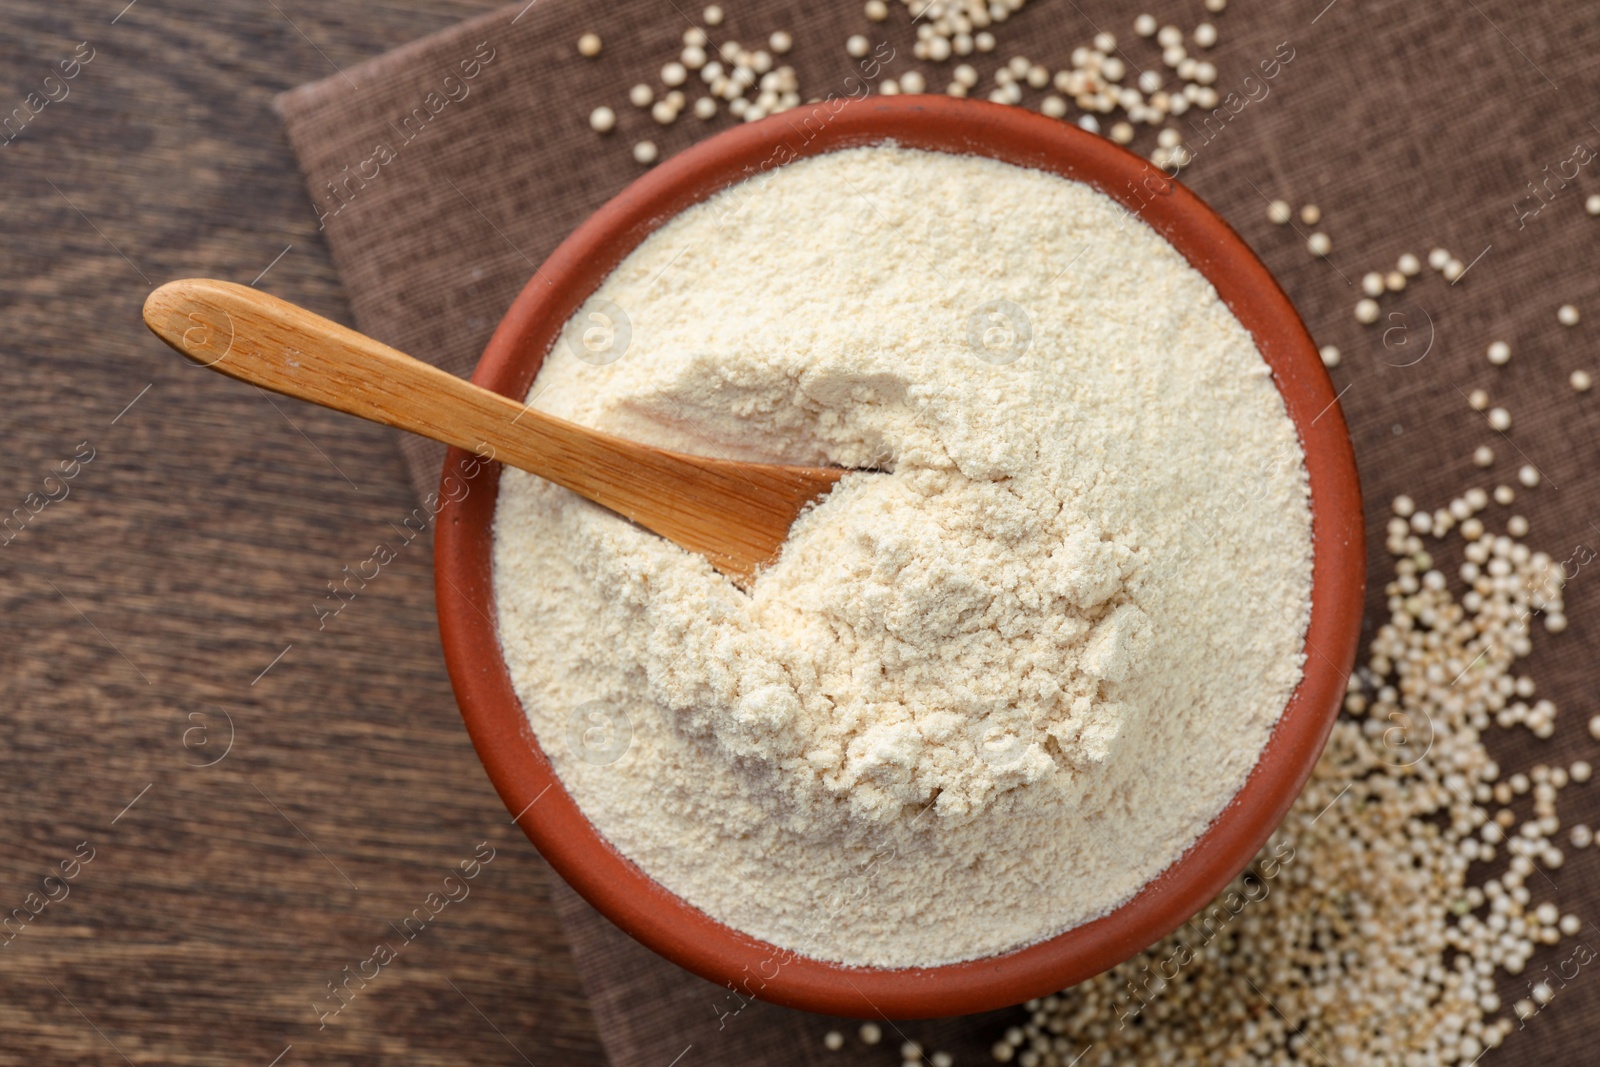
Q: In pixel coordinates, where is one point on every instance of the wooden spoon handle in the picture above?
(257, 338)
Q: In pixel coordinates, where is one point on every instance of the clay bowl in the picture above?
(675, 929)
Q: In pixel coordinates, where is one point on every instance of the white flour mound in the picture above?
(985, 694)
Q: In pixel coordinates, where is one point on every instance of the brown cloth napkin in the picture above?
(447, 170)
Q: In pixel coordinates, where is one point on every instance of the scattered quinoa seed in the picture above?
(641, 95)
(645, 152)
(712, 16)
(1478, 400)
(1528, 475)
(1311, 214)
(780, 42)
(1367, 311)
(1567, 315)
(1504, 495)
(1279, 212)
(1409, 265)
(1330, 355)
(1500, 419)
(877, 10)
(589, 45)
(857, 45)
(1483, 456)
(1499, 353)
(833, 1041)
(1581, 381)
(1372, 283)
(1592, 205)
(871, 1033)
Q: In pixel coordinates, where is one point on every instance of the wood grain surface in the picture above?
(163, 602)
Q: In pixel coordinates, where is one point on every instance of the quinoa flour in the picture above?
(997, 680)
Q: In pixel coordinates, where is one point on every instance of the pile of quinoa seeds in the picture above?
(961, 49)
(1370, 930)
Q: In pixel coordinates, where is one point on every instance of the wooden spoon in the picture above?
(737, 515)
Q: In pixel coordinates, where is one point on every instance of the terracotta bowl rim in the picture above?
(626, 895)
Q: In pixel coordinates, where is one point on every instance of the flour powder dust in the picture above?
(1002, 676)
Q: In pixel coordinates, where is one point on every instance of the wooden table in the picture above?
(163, 605)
